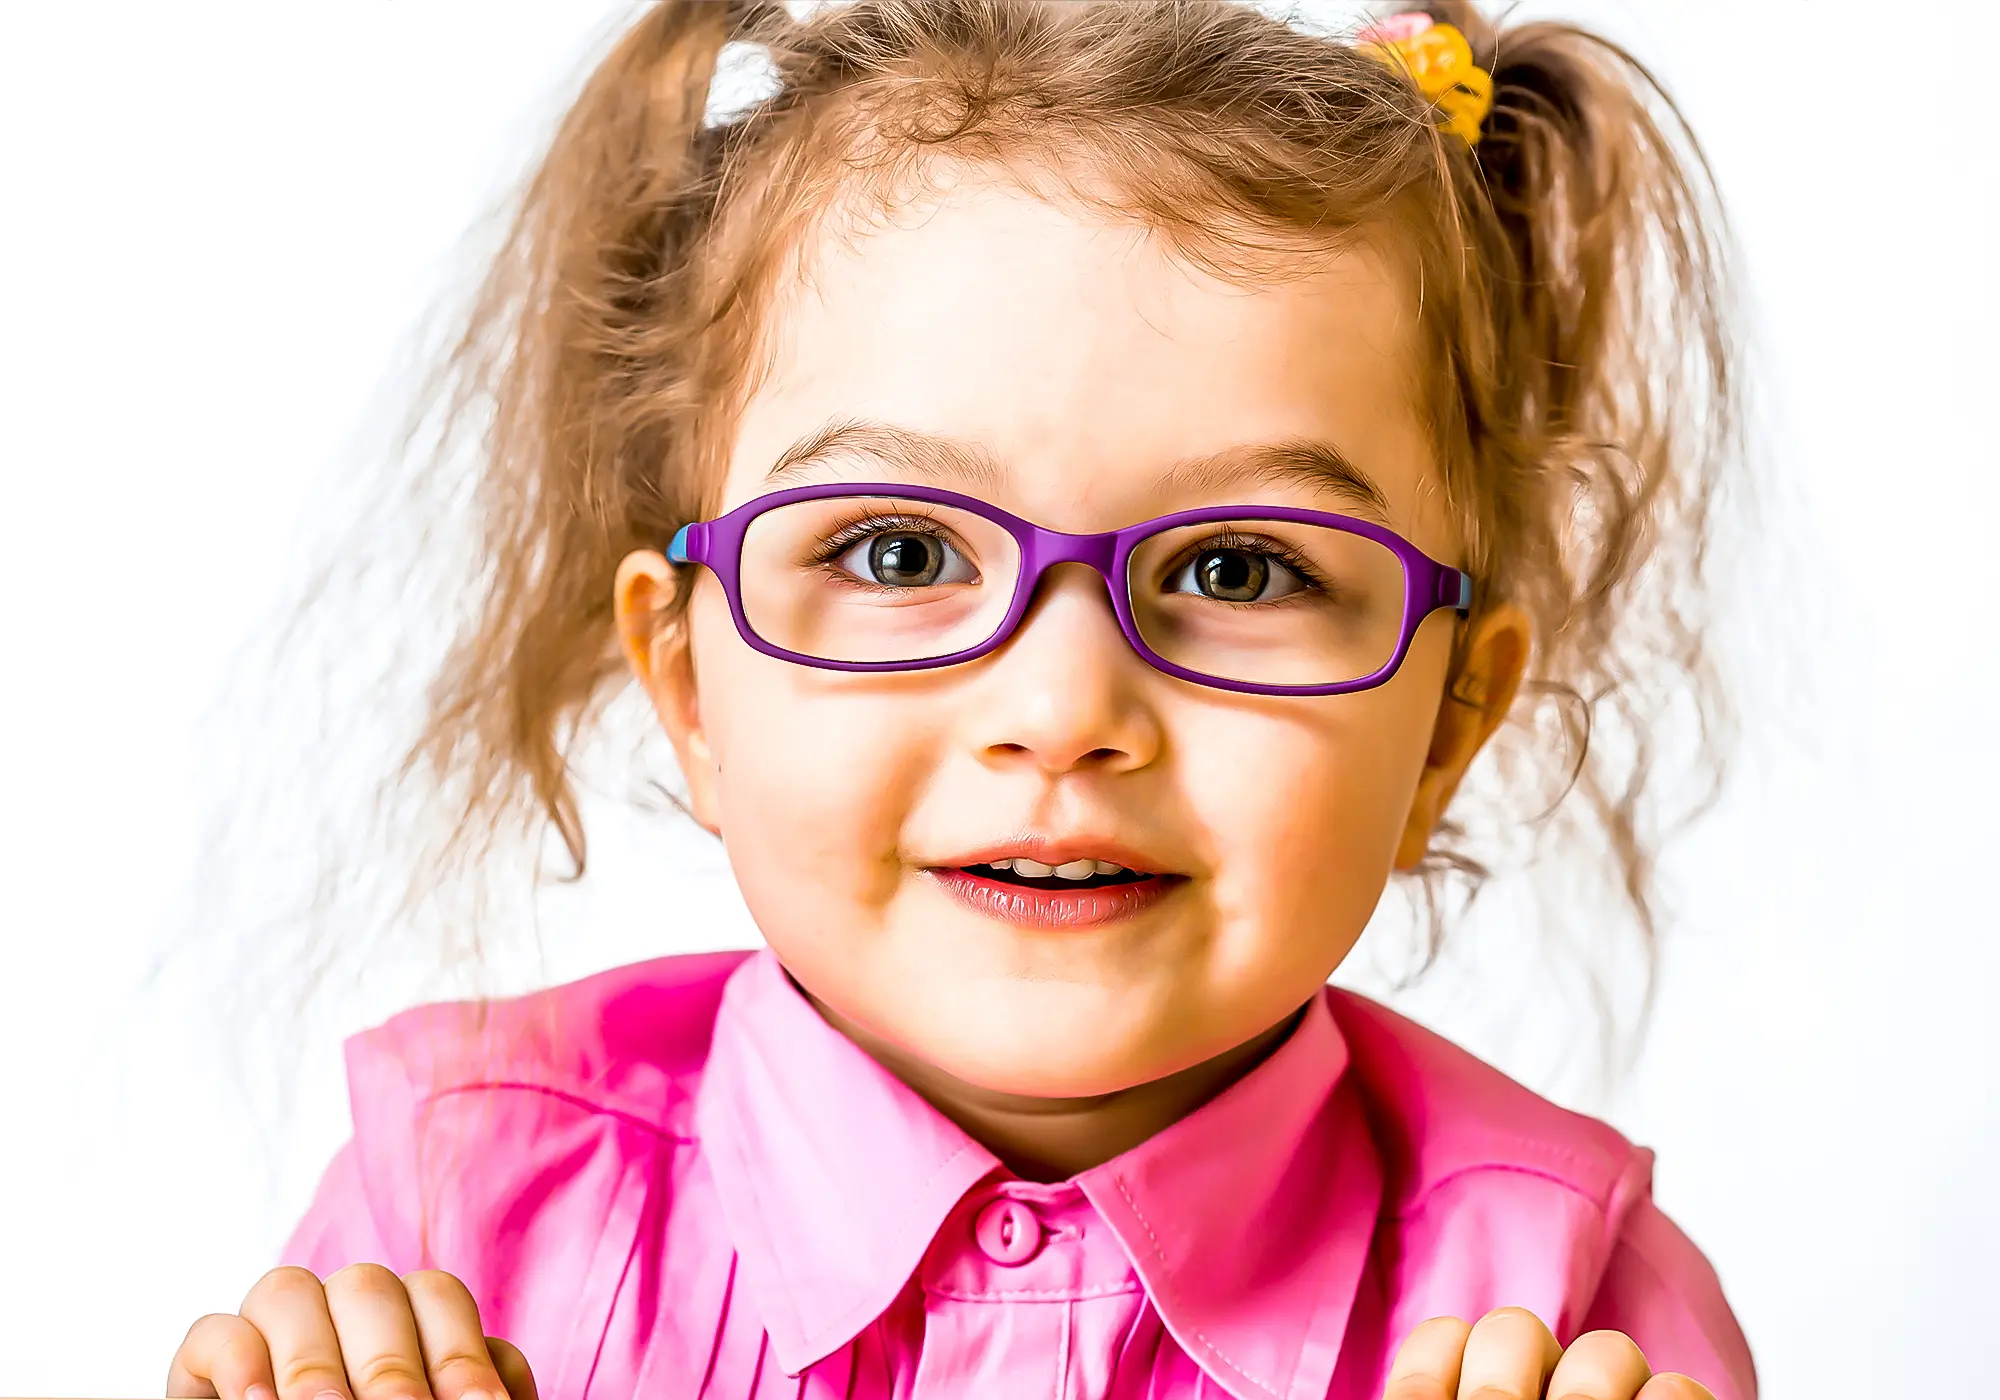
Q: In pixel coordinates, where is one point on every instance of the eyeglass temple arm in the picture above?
(1454, 590)
(689, 544)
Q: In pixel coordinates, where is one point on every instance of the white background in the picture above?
(220, 221)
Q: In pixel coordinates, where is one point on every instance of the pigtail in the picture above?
(1604, 397)
(579, 377)
(574, 381)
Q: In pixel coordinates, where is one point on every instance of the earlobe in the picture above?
(663, 664)
(1474, 705)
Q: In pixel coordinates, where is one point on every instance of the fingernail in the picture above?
(259, 1391)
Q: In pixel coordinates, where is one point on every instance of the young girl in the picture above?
(1079, 484)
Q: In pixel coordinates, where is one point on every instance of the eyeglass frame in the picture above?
(717, 545)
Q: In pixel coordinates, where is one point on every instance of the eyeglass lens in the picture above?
(875, 579)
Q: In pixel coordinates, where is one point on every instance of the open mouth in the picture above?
(1073, 875)
(1078, 893)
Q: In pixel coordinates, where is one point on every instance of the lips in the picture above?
(1048, 884)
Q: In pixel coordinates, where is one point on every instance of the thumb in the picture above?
(513, 1369)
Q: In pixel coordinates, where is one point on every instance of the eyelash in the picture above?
(861, 525)
(1259, 544)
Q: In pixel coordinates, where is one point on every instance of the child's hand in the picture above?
(364, 1335)
(1509, 1355)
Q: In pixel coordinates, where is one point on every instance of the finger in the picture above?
(378, 1333)
(513, 1369)
(1599, 1366)
(288, 1307)
(1672, 1385)
(1426, 1365)
(456, 1363)
(222, 1355)
(1508, 1354)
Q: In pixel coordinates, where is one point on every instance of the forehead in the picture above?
(1085, 358)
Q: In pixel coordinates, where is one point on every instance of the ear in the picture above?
(1474, 704)
(663, 664)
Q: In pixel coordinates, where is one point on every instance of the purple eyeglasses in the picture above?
(1265, 600)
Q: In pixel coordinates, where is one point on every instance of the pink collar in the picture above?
(1249, 1221)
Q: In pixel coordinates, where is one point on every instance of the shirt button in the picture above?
(1008, 1232)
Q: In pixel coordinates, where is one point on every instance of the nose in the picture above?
(1067, 693)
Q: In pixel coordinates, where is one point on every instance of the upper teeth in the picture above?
(1069, 870)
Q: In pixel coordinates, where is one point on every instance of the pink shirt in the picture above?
(674, 1179)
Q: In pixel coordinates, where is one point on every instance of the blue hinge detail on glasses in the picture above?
(677, 551)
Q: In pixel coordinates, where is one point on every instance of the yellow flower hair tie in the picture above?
(1439, 60)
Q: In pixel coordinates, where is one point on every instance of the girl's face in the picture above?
(1084, 363)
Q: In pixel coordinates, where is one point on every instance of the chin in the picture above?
(1081, 1054)
(1052, 1071)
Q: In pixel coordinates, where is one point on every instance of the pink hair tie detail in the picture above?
(1397, 29)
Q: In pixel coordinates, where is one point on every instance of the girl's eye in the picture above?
(1236, 576)
(906, 559)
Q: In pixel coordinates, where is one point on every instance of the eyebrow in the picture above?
(925, 455)
(1310, 463)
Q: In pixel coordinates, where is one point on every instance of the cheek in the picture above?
(814, 776)
(1305, 808)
